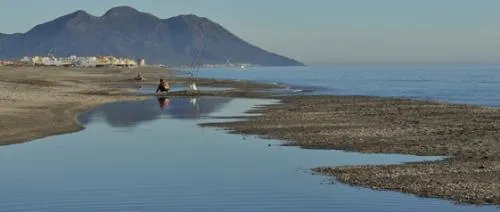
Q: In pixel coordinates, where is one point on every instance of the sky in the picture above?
(319, 32)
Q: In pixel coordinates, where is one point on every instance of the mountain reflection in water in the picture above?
(131, 113)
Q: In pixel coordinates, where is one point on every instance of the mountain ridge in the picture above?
(127, 32)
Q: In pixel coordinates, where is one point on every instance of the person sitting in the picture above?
(163, 86)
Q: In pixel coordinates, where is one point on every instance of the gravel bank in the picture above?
(468, 135)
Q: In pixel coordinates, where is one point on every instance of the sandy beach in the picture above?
(38, 102)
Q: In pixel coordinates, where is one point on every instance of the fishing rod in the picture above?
(196, 62)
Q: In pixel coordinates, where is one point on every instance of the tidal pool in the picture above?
(152, 156)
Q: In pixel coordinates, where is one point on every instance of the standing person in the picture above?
(163, 86)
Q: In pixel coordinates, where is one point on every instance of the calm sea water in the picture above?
(151, 156)
(458, 84)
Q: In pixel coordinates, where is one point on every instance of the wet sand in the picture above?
(468, 135)
(38, 102)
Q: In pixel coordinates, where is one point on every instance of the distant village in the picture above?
(99, 61)
(74, 61)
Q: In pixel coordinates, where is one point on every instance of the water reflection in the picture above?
(163, 102)
(132, 113)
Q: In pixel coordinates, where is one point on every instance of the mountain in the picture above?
(125, 32)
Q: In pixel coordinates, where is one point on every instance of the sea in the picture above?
(469, 84)
(152, 155)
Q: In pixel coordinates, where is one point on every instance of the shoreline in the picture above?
(35, 100)
(466, 135)
(41, 102)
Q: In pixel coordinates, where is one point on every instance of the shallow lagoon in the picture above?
(142, 156)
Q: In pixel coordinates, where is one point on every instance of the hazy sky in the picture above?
(319, 31)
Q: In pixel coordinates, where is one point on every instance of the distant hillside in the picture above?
(125, 32)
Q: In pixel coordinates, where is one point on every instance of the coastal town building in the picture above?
(6, 62)
(74, 61)
(141, 62)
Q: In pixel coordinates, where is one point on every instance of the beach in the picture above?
(38, 102)
(43, 101)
